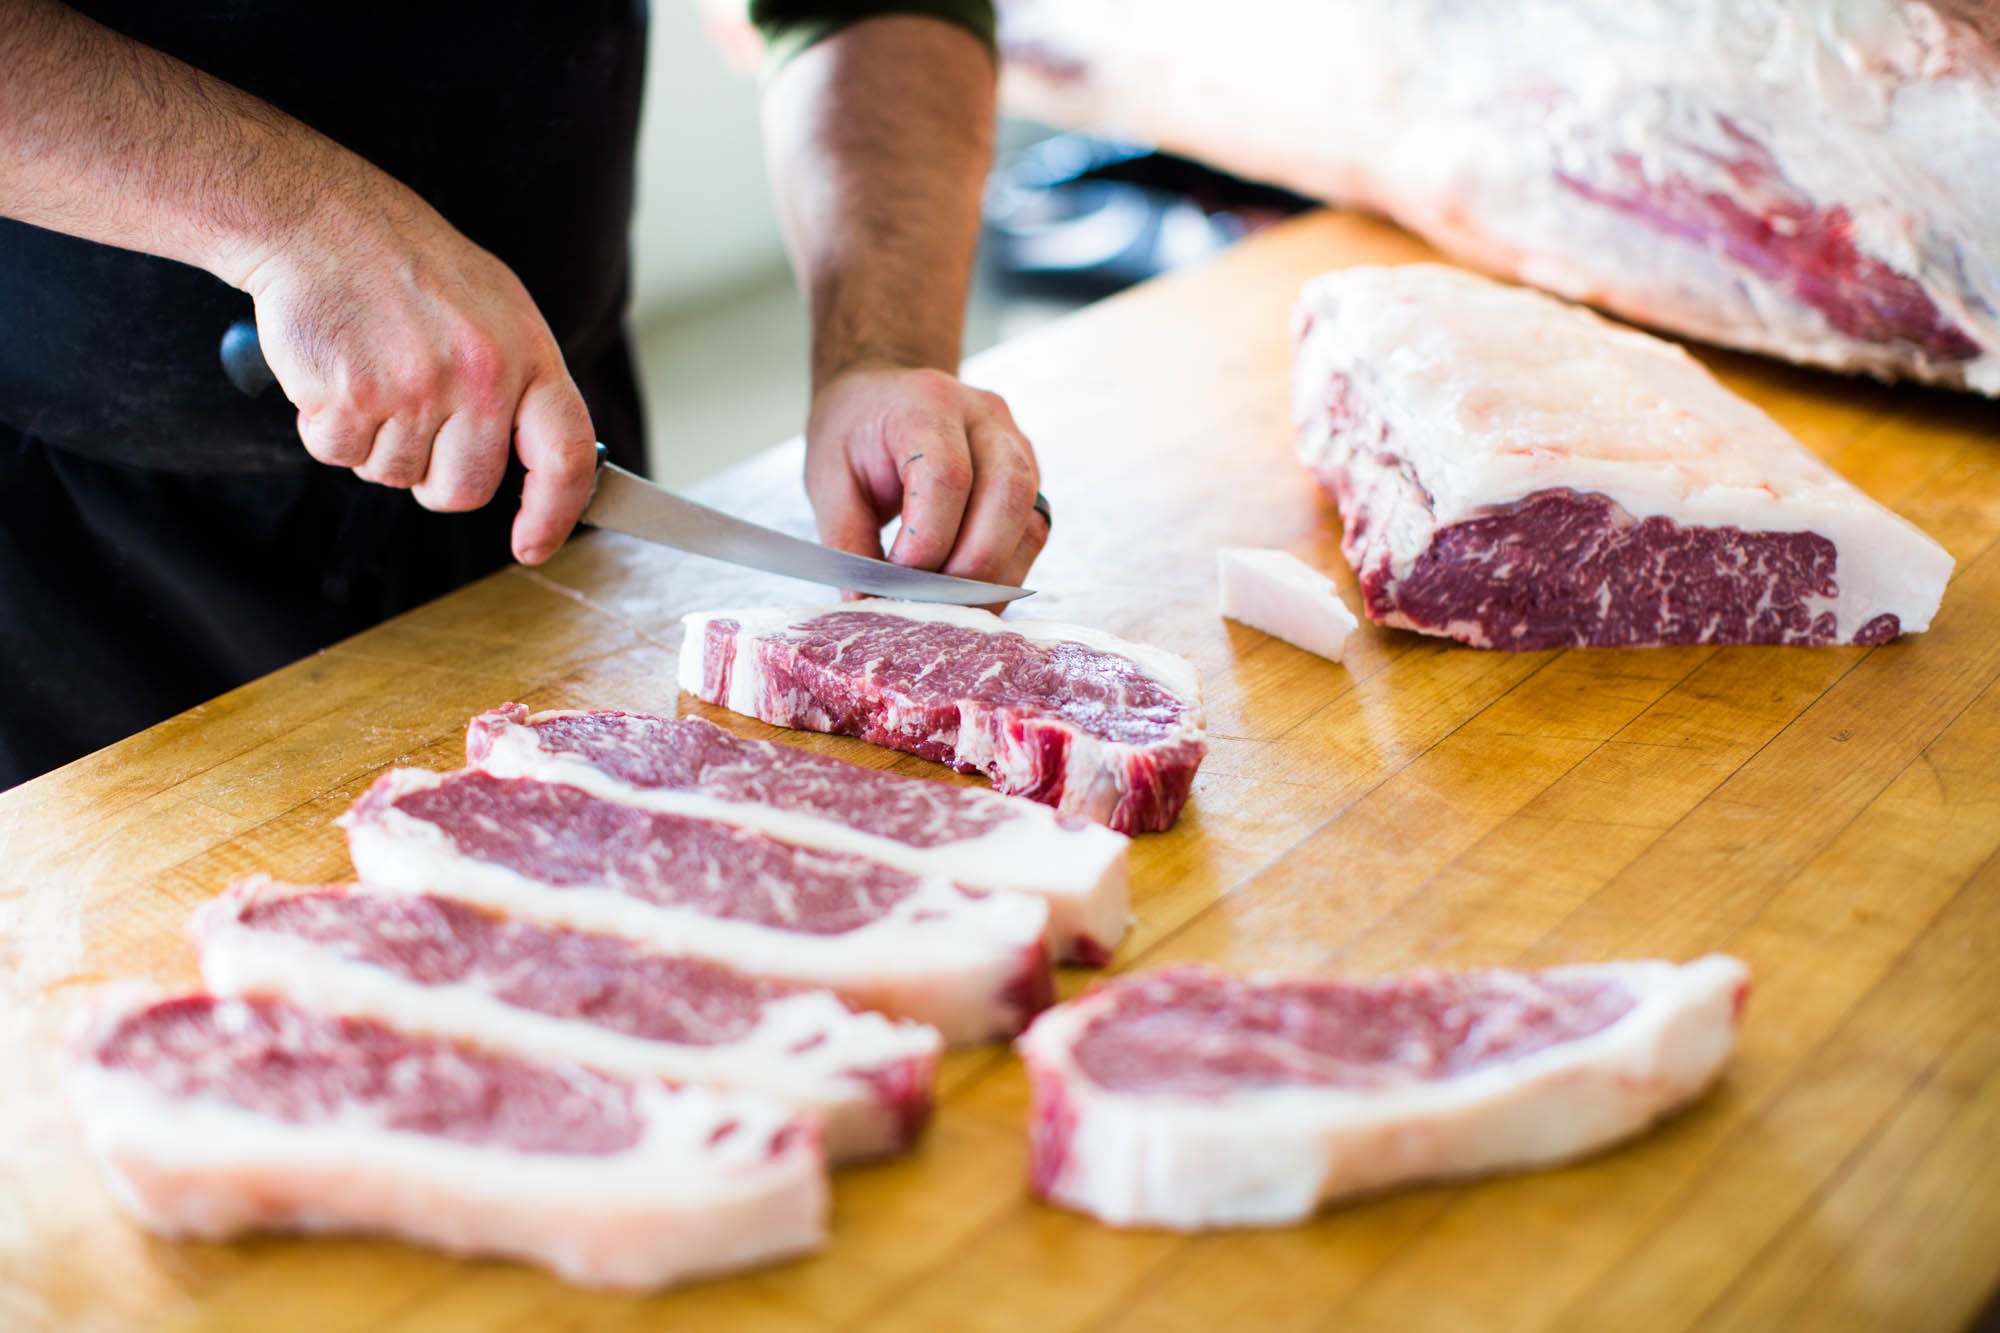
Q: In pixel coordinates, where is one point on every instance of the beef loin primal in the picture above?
(1517, 473)
(449, 969)
(1075, 718)
(212, 1117)
(1813, 180)
(1185, 1098)
(968, 835)
(971, 963)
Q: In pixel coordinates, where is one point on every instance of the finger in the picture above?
(1002, 506)
(401, 453)
(934, 463)
(468, 459)
(338, 438)
(1015, 572)
(553, 435)
(844, 512)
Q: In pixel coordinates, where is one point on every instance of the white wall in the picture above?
(705, 222)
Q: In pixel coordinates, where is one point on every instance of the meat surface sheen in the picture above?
(971, 962)
(1074, 718)
(213, 1116)
(449, 969)
(1187, 1099)
(968, 835)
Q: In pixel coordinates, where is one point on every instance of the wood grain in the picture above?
(1831, 815)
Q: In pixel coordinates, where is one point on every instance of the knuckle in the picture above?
(934, 387)
(481, 367)
(420, 380)
(951, 472)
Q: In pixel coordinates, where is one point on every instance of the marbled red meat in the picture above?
(279, 1060)
(1186, 1098)
(451, 970)
(1519, 474)
(1073, 718)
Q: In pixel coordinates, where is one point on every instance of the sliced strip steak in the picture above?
(211, 1117)
(1074, 718)
(968, 835)
(1516, 473)
(972, 964)
(1186, 1099)
(453, 970)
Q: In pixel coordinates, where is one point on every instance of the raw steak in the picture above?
(1284, 597)
(1812, 179)
(211, 1117)
(972, 964)
(1184, 1098)
(967, 835)
(449, 969)
(1516, 473)
(1071, 717)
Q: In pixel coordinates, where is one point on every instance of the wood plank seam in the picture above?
(1847, 1015)
(1827, 1186)
(1693, 1181)
(1804, 1058)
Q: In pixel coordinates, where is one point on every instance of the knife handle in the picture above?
(243, 359)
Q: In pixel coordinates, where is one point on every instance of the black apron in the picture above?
(164, 538)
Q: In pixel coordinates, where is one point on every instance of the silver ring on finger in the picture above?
(1042, 508)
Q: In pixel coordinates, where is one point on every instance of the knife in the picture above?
(625, 502)
(630, 504)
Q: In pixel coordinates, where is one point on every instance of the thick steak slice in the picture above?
(453, 970)
(1091, 724)
(972, 964)
(1517, 473)
(211, 1117)
(968, 835)
(1184, 1098)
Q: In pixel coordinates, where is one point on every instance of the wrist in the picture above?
(883, 356)
(285, 216)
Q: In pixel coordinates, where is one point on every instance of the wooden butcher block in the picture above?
(1830, 815)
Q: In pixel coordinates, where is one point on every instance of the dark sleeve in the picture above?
(790, 26)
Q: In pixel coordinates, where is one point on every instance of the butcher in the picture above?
(425, 209)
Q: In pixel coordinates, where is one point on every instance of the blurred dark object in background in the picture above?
(1079, 216)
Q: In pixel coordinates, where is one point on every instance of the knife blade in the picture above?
(630, 504)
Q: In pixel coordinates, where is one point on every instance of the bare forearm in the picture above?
(414, 357)
(879, 139)
(107, 139)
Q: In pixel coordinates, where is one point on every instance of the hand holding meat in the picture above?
(885, 441)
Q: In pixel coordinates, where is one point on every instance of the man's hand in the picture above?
(420, 361)
(884, 440)
(415, 357)
(879, 137)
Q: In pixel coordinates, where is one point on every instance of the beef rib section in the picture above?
(1817, 181)
(1074, 718)
(1187, 1099)
(452, 970)
(211, 1117)
(1516, 473)
(972, 964)
(967, 835)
